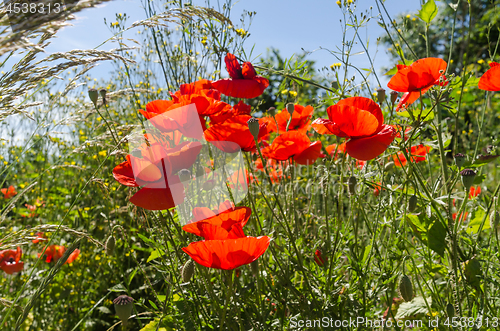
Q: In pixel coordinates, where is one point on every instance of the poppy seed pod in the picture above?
(412, 203)
(406, 288)
(351, 184)
(123, 307)
(272, 111)
(450, 310)
(468, 176)
(290, 108)
(187, 271)
(459, 159)
(184, 175)
(110, 245)
(93, 96)
(102, 92)
(253, 126)
(380, 95)
(394, 96)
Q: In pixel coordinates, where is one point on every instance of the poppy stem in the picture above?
(229, 294)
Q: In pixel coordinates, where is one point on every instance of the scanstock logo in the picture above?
(176, 167)
(29, 14)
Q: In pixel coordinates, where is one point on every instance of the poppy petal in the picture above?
(490, 80)
(124, 174)
(233, 66)
(309, 155)
(227, 254)
(365, 104)
(352, 121)
(368, 148)
(242, 88)
(160, 198)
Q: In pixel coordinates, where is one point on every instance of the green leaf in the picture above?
(428, 11)
(132, 275)
(426, 114)
(475, 223)
(155, 254)
(437, 238)
(145, 239)
(118, 288)
(153, 304)
(412, 308)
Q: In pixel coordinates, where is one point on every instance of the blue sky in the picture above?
(290, 26)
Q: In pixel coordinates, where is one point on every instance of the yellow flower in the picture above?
(293, 93)
(408, 16)
(102, 153)
(480, 61)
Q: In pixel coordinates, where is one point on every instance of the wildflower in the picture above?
(330, 149)
(474, 191)
(226, 113)
(8, 192)
(203, 219)
(54, 252)
(416, 79)
(227, 254)
(318, 258)
(40, 236)
(377, 189)
(361, 121)
(243, 81)
(301, 119)
(490, 80)
(416, 153)
(10, 260)
(293, 144)
(461, 218)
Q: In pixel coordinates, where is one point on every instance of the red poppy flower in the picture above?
(490, 80)
(330, 149)
(461, 218)
(417, 78)
(8, 193)
(55, 252)
(361, 120)
(318, 258)
(200, 87)
(225, 220)
(293, 144)
(227, 254)
(244, 82)
(416, 153)
(273, 167)
(377, 189)
(234, 134)
(10, 260)
(240, 108)
(40, 236)
(301, 118)
(474, 191)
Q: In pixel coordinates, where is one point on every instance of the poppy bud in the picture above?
(380, 95)
(351, 184)
(272, 111)
(406, 288)
(184, 175)
(389, 166)
(450, 310)
(412, 203)
(208, 185)
(102, 92)
(253, 126)
(110, 245)
(494, 219)
(290, 108)
(255, 268)
(459, 159)
(123, 307)
(394, 96)
(188, 271)
(472, 269)
(93, 96)
(468, 176)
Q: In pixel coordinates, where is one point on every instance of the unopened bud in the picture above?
(351, 185)
(253, 126)
(188, 271)
(450, 310)
(380, 95)
(406, 288)
(412, 203)
(123, 307)
(459, 159)
(495, 215)
(272, 111)
(472, 269)
(394, 96)
(208, 185)
(184, 175)
(389, 166)
(110, 245)
(102, 92)
(290, 108)
(468, 176)
(93, 95)
(255, 157)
